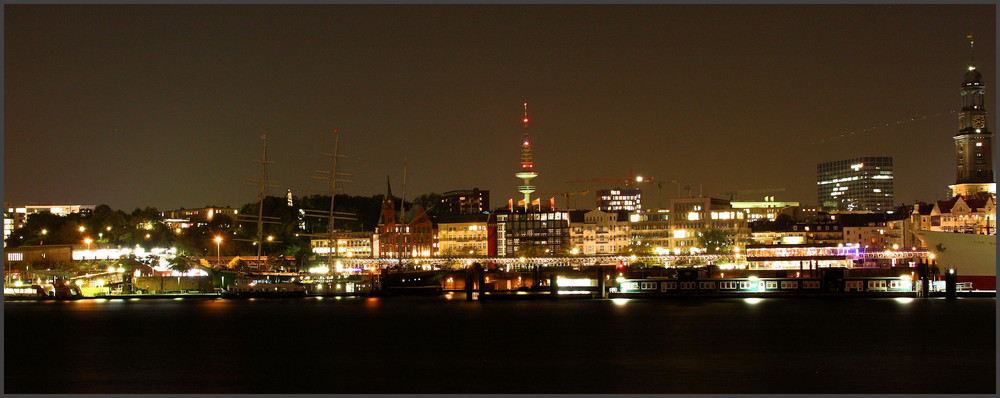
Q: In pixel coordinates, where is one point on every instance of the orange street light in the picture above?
(87, 241)
(218, 250)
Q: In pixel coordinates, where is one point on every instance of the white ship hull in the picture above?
(973, 256)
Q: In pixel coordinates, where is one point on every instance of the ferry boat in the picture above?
(264, 290)
(59, 291)
(414, 282)
(972, 256)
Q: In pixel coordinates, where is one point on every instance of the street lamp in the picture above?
(81, 228)
(218, 250)
(87, 241)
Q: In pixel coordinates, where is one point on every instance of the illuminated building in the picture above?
(544, 230)
(812, 233)
(415, 238)
(856, 185)
(349, 244)
(467, 234)
(465, 202)
(600, 233)
(47, 255)
(870, 235)
(693, 215)
(767, 209)
(11, 221)
(59, 210)
(974, 214)
(651, 227)
(527, 166)
(185, 218)
(974, 140)
(15, 217)
(619, 199)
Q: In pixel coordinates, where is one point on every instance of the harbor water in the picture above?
(448, 345)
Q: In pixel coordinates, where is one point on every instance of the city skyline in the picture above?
(162, 106)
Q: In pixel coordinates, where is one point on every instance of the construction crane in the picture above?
(734, 194)
(630, 181)
(564, 195)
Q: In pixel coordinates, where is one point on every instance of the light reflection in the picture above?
(619, 301)
(904, 300)
(753, 300)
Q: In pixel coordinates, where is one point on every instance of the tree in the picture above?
(238, 265)
(275, 262)
(565, 249)
(181, 263)
(450, 252)
(714, 241)
(529, 249)
(637, 249)
(298, 252)
(128, 262)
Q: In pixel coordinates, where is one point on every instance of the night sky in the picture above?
(164, 105)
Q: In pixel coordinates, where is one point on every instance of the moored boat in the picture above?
(972, 256)
(264, 290)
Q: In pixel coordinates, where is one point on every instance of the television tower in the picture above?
(527, 167)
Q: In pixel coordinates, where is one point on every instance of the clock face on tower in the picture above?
(979, 121)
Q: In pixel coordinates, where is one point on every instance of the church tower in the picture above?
(974, 141)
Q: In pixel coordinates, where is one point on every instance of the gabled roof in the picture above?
(976, 204)
(944, 206)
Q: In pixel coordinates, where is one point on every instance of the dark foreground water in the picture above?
(436, 345)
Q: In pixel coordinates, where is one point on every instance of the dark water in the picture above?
(436, 345)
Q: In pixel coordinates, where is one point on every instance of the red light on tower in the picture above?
(525, 120)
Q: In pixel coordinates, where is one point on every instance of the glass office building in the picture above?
(856, 185)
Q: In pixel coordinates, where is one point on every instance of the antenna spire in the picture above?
(527, 166)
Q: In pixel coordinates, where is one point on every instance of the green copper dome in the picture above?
(972, 78)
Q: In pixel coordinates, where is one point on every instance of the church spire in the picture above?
(972, 52)
(388, 188)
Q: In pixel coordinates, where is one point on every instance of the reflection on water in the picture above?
(442, 345)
